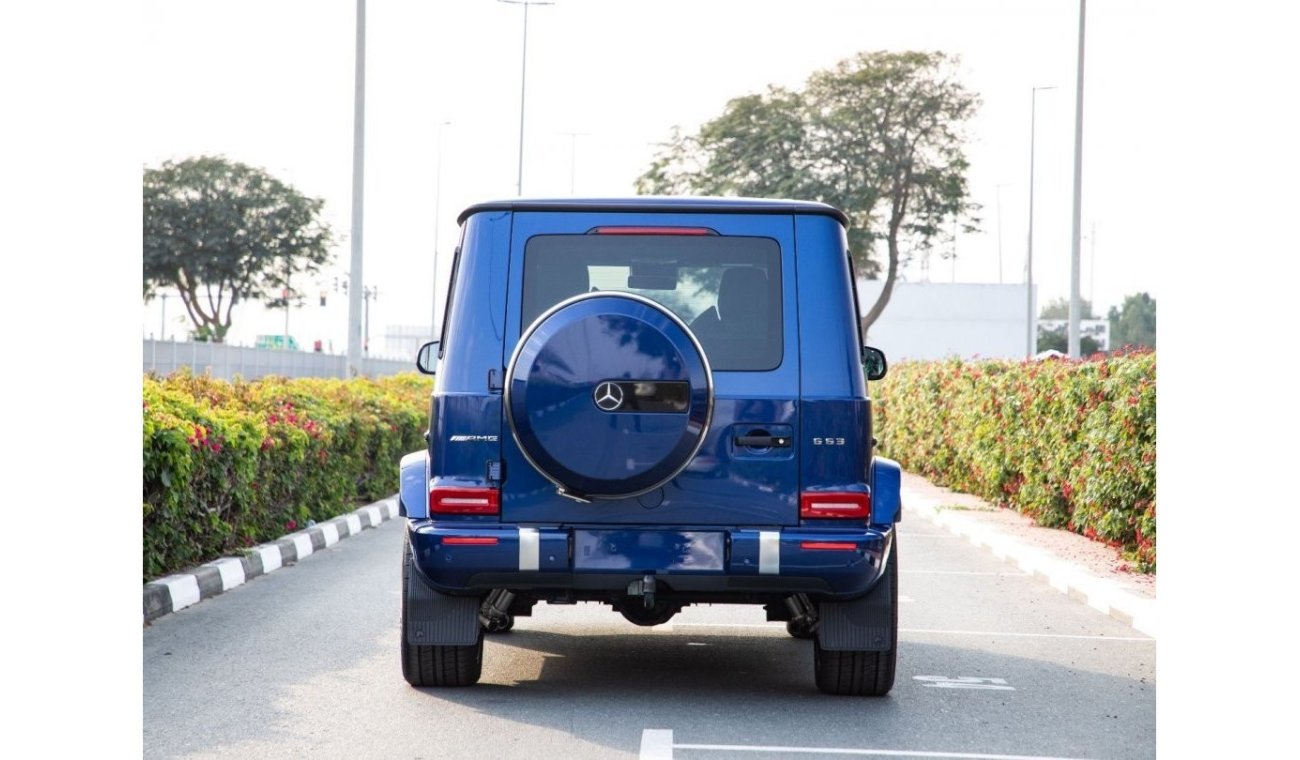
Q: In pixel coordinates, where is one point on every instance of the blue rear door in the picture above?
(731, 279)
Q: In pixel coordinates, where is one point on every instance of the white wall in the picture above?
(931, 320)
(225, 361)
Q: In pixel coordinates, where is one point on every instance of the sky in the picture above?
(271, 84)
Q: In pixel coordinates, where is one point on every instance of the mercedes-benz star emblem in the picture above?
(608, 396)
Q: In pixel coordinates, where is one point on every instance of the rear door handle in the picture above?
(764, 441)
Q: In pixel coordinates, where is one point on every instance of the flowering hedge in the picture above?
(229, 465)
(1071, 444)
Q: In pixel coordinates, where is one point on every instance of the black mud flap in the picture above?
(435, 618)
(865, 624)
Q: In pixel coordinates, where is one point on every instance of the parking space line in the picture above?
(962, 572)
(1028, 635)
(765, 626)
(657, 744)
(778, 627)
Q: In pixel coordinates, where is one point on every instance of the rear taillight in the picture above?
(469, 541)
(464, 501)
(842, 505)
(828, 546)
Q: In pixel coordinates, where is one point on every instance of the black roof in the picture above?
(661, 204)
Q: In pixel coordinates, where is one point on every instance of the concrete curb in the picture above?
(175, 592)
(1101, 594)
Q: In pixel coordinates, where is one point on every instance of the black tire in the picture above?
(434, 665)
(861, 673)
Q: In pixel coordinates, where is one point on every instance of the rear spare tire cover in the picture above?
(608, 395)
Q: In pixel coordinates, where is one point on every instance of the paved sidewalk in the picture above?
(1086, 570)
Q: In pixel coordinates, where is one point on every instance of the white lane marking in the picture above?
(271, 558)
(354, 525)
(232, 572)
(960, 572)
(767, 626)
(781, 628)
(302, 542)
(847, 751)
(964, 682)
(656, 744)
(1028, 635)
(905, 599)
(331, 532)
(183, 589)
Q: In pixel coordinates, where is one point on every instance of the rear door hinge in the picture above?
(496, 380)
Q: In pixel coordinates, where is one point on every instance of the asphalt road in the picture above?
(303, 663)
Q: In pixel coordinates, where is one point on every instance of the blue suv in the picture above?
(651, 403)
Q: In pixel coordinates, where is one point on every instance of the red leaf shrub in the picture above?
(1071, 444)
(227, 465)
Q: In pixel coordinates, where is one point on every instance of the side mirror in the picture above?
(873, 361)
(427, 360)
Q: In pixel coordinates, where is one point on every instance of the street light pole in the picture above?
(1075, 305)
(1029, 255)
(358, 187)
(523, 81)
(437, 216)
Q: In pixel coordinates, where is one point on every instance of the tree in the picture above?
(878, 136)
(1059, 308)
(1057, 337)
(1134, 323)
(221, 232)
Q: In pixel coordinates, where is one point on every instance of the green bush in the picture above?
(230, 465)
(1071, 444)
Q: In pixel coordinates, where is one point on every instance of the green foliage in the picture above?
(1059, 339)
(1134, 324)
(1071, 444)
(221, 232)
(878, 135)
(1059, 308)
(230, 465)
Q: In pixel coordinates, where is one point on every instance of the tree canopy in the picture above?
(1059, 308)
(878, 136)
(1134, 322)
(221, 232)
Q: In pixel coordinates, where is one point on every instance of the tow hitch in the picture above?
(644, 588)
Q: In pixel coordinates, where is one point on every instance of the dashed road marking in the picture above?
(961, 572)
(1028, 635)
(964, 682)
(657, 744)
(778, 627)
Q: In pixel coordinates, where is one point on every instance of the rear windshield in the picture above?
(727, 289)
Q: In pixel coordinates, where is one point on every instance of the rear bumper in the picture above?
(461, 558)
